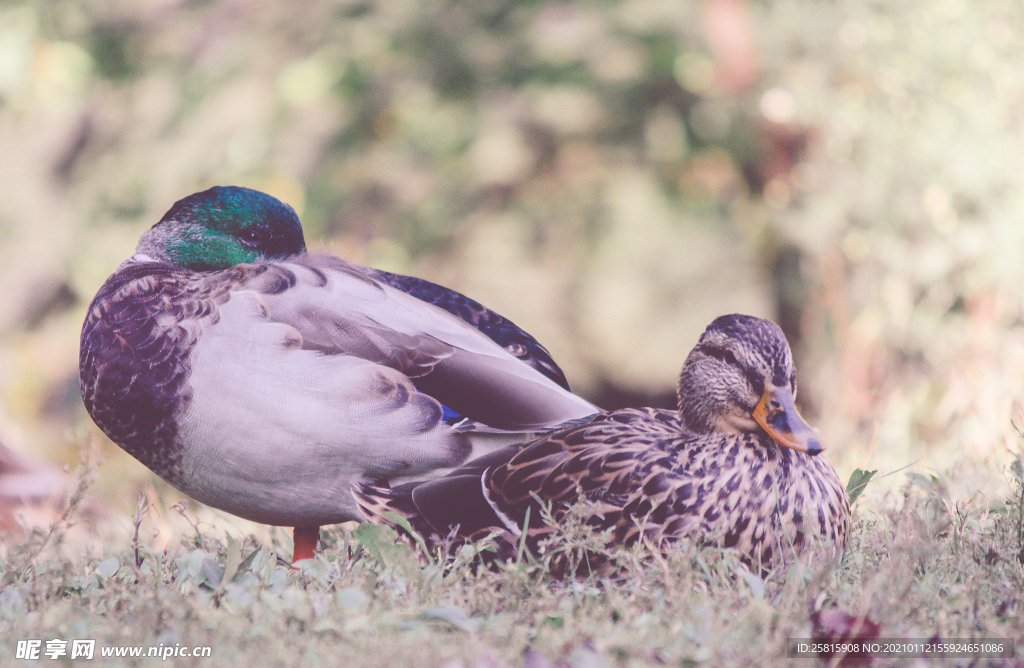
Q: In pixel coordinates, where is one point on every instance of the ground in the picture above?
(925, 567)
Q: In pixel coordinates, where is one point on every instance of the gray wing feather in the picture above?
(339, 310)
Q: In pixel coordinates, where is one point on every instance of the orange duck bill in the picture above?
(777, 415)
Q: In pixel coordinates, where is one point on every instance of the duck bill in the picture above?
(777, 415)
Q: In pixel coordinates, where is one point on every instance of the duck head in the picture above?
(224, 226)
(740, 379)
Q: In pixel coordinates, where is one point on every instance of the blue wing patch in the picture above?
(449, 416)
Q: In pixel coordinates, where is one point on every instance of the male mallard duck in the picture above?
(265, 381)
(735, 466)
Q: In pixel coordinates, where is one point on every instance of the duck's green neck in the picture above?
(211, 251)
(223, 227)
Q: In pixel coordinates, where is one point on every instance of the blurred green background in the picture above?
(609, 175)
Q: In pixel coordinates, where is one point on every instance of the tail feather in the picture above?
(456, 501)
(380, 504)
(436, 507)
(457, 513)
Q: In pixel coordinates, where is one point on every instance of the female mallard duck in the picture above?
(265, 381)
(735, 466)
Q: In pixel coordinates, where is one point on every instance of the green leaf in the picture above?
(247, 562)
(392, 516)
(211, 573)
(522, 537)
(457, 617)
(756, 583)
(108, 567)
(231, 564)
(378, 539)
(858, 481)
(385, 545)
(934, 486)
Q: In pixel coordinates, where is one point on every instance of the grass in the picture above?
(900, 225)
(925, 565)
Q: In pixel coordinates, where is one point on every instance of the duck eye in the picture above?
(721, 355)
(250, 236)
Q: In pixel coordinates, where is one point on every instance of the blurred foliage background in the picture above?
(609, 175)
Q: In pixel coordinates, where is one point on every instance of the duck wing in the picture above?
(339, 310)
(501, 330)
(607, 461)
(267, 389)
(614, 460)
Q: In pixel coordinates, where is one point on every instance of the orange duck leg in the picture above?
(304, 540)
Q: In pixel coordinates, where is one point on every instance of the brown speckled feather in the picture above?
(135, 347)
(646, 478)
(650, 479)
(649, 475)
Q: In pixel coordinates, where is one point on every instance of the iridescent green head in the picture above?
(224, 226)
